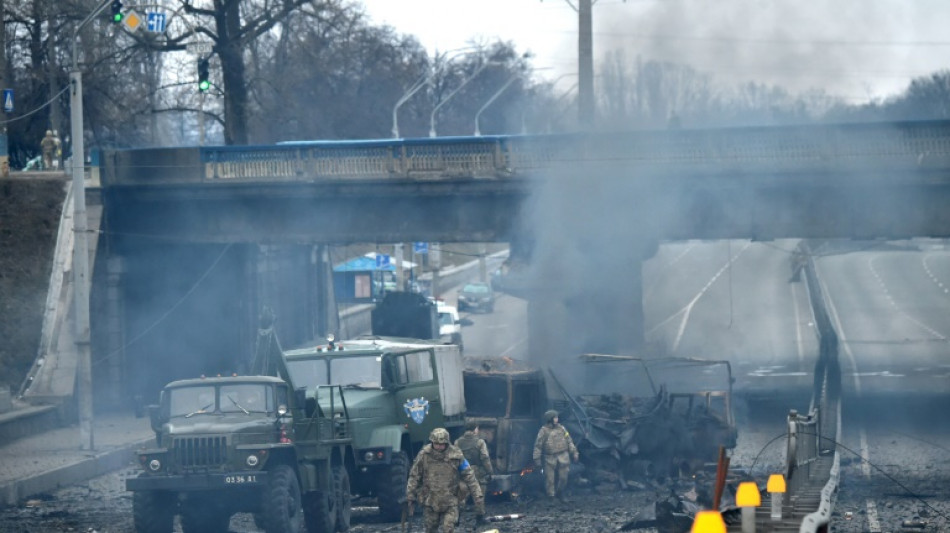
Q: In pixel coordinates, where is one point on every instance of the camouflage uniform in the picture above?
(436, 476)
(555, 446)
(476, 453)
(48, 147)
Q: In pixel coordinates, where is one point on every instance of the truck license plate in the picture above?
(238, 480)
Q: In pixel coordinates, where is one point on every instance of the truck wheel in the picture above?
(391, 488)
(154, 511)
(204, 517)
(319, 512)
(282, 502)
(344, 507)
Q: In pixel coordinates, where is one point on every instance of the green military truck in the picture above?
(395, 391)
(244, 444)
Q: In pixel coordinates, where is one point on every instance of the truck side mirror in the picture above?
(154, 417)
(300, 397)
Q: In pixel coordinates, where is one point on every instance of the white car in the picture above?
(450, 327)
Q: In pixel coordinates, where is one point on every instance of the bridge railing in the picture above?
(814, 436)
(877, 147)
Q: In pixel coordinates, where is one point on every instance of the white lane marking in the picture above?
(798, 328)
(666, 268)
(874, 525)
(687, 309)
(865, 455)
(897, 308)
(513, 346)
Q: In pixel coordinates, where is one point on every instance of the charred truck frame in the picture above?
(652, 418)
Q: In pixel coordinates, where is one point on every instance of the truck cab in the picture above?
(395, 392)
(240, 444)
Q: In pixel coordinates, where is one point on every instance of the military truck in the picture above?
(394, 391)
(243, 444)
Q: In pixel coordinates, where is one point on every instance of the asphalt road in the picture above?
(895, 448)
(732, 300)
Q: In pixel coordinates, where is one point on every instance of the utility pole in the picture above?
(4, 147)
(585, 61)
(80, 244)
(585, 64)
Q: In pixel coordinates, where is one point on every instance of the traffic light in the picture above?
(203, 82)
(117, 11)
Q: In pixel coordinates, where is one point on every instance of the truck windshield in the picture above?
(446, 319)
(359, 370)
(246, 398)
(191, 401)
(363, 371)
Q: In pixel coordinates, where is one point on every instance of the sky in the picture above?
(859, 50)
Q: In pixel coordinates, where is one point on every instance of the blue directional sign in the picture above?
(420, 247)
(8, 100)
(155, 22)
(383, 261)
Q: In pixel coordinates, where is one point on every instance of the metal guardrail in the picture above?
(814, 437)
(830, 147)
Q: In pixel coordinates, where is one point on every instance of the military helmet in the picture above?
(439, 436)
(549, 416)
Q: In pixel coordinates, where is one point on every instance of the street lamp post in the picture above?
(454, 92)
(492, 99)
(80, 244)
(423, 81)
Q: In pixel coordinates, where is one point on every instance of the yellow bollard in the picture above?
(747, 499)
(776, 487)
(708, 522)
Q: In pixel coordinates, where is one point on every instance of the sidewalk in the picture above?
(53, 459)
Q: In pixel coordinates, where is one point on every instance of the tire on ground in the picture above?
(282, 502)
(391, 487)
(319, 512)
(344, 507)
(154, 511)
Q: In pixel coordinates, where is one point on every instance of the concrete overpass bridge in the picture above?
(194, 241)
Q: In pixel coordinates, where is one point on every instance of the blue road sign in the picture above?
(8, 100)
(382, 261)
(155, 22)
(420, 247)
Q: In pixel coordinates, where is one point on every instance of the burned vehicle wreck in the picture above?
(507, 399)
(652, 419)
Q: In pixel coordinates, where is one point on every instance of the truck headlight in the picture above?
(252, 460)
(368, 456)
(154, 465)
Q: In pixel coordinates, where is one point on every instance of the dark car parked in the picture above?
(476, 297)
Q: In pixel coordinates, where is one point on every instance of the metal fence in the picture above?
(812, 459)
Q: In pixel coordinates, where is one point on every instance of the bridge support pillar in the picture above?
(110, 377)
(587, 306)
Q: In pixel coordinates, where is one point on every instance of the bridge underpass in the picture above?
(251, 224)
(586, 210)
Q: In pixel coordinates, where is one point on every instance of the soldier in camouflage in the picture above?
(435, 479)
(555, 448)
(476, 453)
